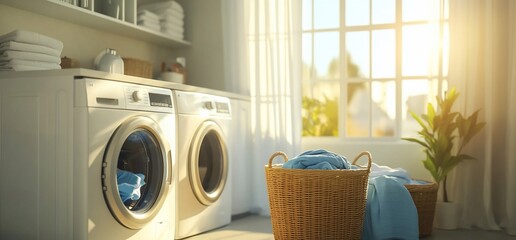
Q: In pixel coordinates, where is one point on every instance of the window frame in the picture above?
(398, 79)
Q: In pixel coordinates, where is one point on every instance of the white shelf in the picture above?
(86, 17)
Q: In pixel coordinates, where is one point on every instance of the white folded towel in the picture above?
(149, 24)
(11, 55)
(173, 34)
(20, 67)
(172, 28)
(162, 13)
(148, 20)
(147, 14)
(27, 47)
(154, 27)
(26, 68)
(173, 21)
(33, 38)
(28, 63)
(162, 5)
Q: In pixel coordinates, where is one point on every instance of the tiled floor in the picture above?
(254, 227)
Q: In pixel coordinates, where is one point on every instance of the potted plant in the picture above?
(443, 135)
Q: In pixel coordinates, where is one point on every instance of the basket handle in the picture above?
(369, 160)
(284, 155)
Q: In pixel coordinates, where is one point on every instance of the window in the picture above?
(367, 63)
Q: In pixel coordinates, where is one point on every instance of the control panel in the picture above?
(111, 94)
(202, 104)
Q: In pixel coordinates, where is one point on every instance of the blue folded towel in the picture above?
(129, 184)
(318, 159)
(390, 211)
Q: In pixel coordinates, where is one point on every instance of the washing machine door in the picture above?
(208, 163)
(136, 172)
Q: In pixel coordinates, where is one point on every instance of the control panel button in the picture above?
(208, 105)
(137, 96)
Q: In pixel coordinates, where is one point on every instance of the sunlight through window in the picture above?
(366, 65)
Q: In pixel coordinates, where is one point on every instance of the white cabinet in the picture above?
(240, 156)
(95, 15)
(36, 122)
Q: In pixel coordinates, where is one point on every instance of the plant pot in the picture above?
(447, 215)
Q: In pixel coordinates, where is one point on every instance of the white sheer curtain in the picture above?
(483, 68)
(264, 53)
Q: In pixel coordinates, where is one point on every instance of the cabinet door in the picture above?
(36, 161)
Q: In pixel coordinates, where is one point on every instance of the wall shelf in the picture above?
(88, 17)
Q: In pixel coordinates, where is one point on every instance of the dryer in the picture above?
(203, 197)
(66, 143)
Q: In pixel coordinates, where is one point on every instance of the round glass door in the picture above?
(135, 174)
(208, 164)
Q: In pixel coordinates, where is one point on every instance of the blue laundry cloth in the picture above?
(318, 159)
(390, 211)
(129, 184)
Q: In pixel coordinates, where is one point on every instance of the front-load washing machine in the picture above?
(131, 133)
(203, 198)
(86, 159)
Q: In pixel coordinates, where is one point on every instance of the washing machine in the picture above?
(203, 198)
(131, 134)
(90, 159)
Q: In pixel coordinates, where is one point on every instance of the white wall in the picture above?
(206, 55)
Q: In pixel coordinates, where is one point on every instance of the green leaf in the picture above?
(453, 162)
(415, 140)
(473, 127)
(430, 115)
(418, 119)
(465, 157)
(429, 165)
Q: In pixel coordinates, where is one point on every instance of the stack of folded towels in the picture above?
(25, 51)
(170, 15)
(148, 19)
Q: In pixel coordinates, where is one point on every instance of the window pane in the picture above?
(326, 14)
(383, 109)
(420, 50)
(357, 54)
(326, 55)
(307, 14)
(357, 113)
(415, 96)
(320, 112)
(421, 10)
(414, 10)
(384, 54)
(357, 12)
(384, 11)
(307, 56)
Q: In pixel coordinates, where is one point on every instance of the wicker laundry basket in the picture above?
(137, 68)
(424, 197)
(317, 204)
